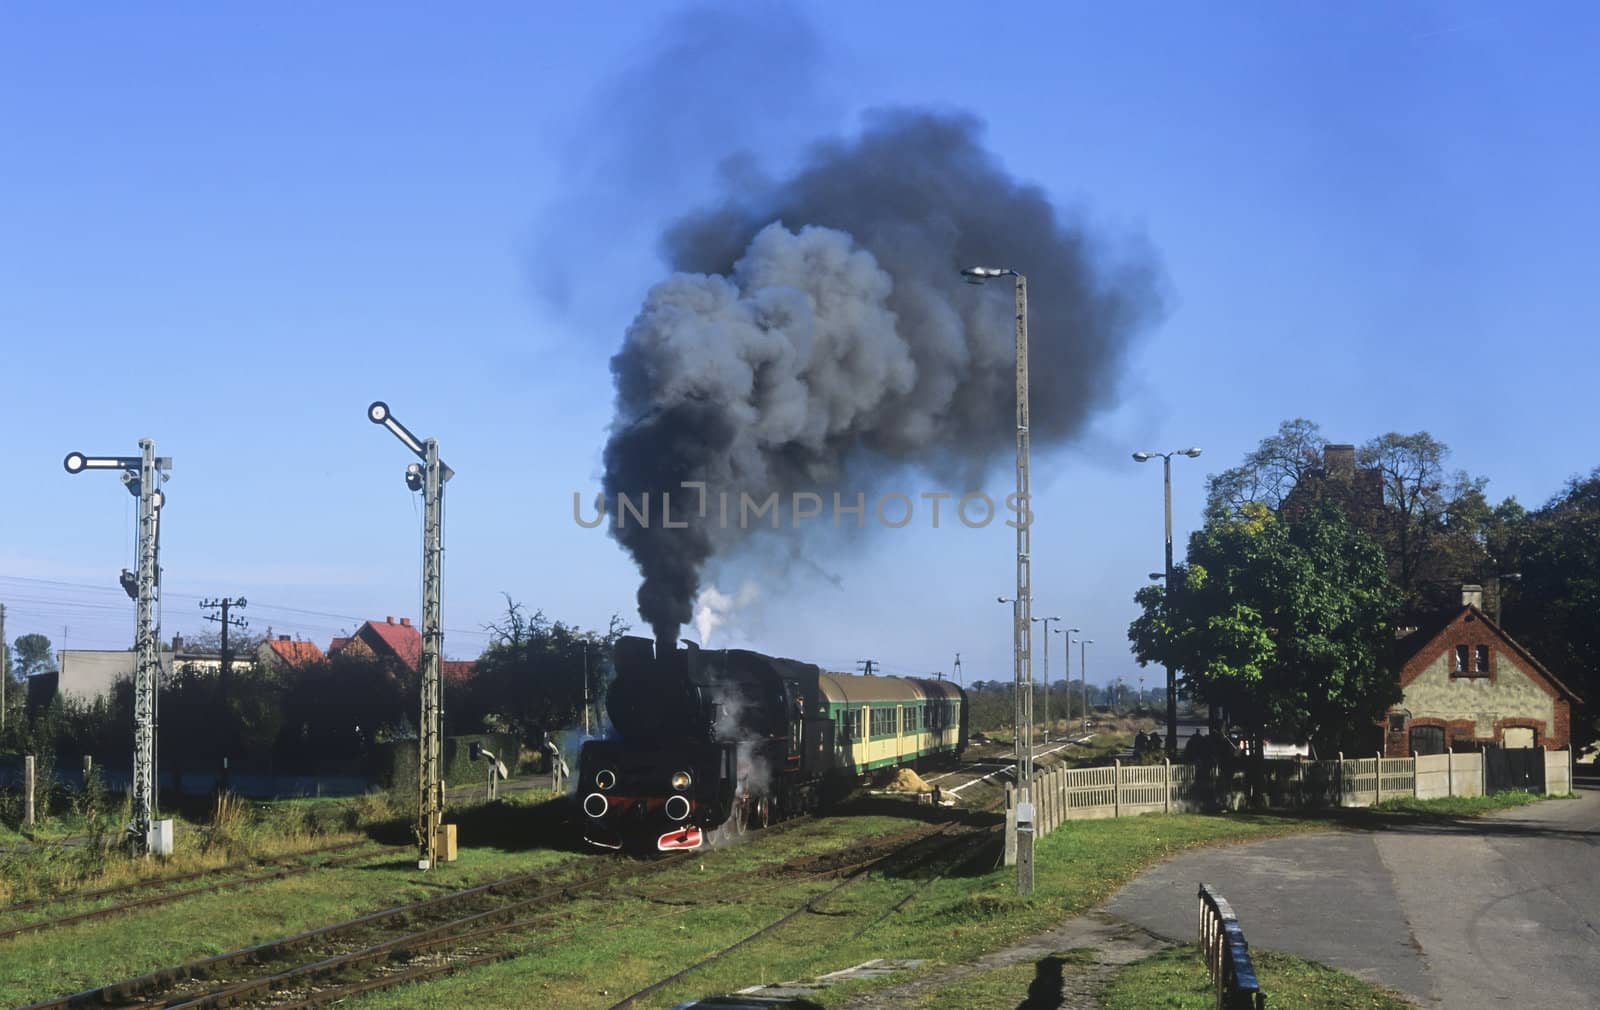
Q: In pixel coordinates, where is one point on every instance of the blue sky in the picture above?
(230, 230)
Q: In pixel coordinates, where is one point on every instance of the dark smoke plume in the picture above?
(819, 330)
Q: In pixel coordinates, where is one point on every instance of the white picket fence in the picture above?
(1069, 794)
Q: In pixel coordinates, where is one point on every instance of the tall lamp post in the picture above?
(1069, 632)
(1021, 645)
(1083, 674)
(1172, 677)
(429, 478)
(1046, 622)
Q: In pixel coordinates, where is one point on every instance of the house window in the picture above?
(1461, 659)
(1481, 659)
(1397, 722)
(1427, 739)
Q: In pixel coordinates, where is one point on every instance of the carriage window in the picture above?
(850, 724)
(883, 722)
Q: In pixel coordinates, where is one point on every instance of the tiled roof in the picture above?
(337, 644)
(402, 641)
(296, 653)
(457, 671)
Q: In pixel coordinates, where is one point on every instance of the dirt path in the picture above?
(1116, 944)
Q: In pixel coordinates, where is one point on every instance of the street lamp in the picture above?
(1069, 632)
(1083, 672)
(1021, 649)
(1172, 677)
(1046, 622)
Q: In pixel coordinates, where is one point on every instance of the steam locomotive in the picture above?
(731, 740)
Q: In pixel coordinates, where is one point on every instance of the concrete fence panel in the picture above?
(1396, 777)
(1433, 776)
(1557, 772)
(1466, 775)
(1091, 792)
(1144, 789)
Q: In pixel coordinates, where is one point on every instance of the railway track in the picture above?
(920, 845)
(285, 867)
(434, 937)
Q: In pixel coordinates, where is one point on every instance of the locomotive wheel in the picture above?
(741, 817)
(763, 813)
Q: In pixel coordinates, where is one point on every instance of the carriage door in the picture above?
(797, 721)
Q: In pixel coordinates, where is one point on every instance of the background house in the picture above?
(1467, 684)
(284, 653)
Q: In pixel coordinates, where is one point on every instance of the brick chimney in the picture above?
(283, 638)
(1472, 596)
(1339, 462)
(390, 620)
(405, 622)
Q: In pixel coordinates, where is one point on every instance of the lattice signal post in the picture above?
(429, 477)
(141, 474)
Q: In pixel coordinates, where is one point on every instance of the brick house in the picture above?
(284, 653)
(400, 642)
(1467, 684)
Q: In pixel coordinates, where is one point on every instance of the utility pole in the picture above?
(225, 677)
(141, 474)
(1046, 622)
(865, 666)
(5, 667)
(959, 680)
(586, 687)
(1021, 637)
(226, 605)
(429, 478)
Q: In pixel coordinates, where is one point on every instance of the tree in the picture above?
(1287, 627)
(1269, 473)
(530, 679)
(1555, 609)
(32, 654)
(1435, 521)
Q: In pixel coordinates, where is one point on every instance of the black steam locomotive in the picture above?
(729, 740)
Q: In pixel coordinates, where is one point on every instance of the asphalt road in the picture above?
(1489, 912)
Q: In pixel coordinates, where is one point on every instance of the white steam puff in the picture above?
(714, 608)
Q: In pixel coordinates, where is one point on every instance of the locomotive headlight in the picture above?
(606, 778)
(681, 781)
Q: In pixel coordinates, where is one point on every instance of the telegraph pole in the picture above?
(429, 478)
(225, 677)
(5, 667)
(226, 605)
(141, 474)
(865, 665)
(959, 679)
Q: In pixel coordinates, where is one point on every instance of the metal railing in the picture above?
(1227, 955)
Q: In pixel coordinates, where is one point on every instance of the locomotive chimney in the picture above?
(666, 645)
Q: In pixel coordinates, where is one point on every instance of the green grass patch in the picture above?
(610, 949)
(1459, 806)
(1177, 980)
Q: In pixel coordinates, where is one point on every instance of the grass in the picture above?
(1177, 980)
(953, 919)
(603, 949)
(1459, 806)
